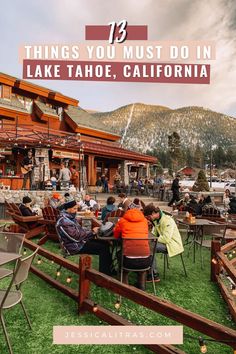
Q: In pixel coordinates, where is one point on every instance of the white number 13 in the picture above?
(122, 31)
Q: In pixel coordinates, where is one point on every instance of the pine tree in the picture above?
(201, 183)
(198, 157)
(174, 145)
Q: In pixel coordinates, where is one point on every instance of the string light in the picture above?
(25, 252)
(95, 307)
(58, 272)
(52, 261)
(39, 261)
(234, 251)
(68, 279)
(234, 290)
(214, 261)
(203, 347)
(117, 304)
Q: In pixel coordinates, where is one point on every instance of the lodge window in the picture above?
(5, 92)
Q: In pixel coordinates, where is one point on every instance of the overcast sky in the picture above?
(63, 21)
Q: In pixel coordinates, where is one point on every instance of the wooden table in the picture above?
(6, 257)
(197, 229)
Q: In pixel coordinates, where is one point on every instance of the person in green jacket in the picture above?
(165, 228)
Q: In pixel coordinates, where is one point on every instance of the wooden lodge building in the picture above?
(57, 129)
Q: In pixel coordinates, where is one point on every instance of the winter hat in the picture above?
(26, 200)
(70, 204)
(56, 195)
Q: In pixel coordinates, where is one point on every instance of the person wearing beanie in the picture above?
(25, 209)
(165, 228)
(55, 201)
(78, 240)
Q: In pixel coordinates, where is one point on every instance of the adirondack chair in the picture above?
(25, 222)
(50, 216)
(115, 213)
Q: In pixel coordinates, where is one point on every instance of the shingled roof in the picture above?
(84, 119)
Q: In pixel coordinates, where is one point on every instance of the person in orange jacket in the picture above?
(136, 253)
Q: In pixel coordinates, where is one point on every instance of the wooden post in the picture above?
(215, 267)
(84, 284)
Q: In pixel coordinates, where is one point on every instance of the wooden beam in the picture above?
(114, 319)
(165, 308)
(84, 283)
(227, 265)
(228, 298)
(228, 246)
(73, 267)
(55, 283)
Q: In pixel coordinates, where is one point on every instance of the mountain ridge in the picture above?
(146, 127)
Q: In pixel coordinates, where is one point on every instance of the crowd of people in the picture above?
(137, 222)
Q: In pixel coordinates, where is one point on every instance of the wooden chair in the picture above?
(50, 216)
(13, 294)
(214, 212)
(152, 249)
(229, 234)
(25, 222)
(115, 213)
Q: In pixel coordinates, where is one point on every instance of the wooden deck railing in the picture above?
(221, 262)
(84, 297)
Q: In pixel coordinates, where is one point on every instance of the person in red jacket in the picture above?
(136, 253)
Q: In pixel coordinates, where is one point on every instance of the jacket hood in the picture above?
(134, 215)
(110, 207)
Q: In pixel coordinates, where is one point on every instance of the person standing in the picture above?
(74, 176)
(65, 174)
(27, 167)
(175, 190)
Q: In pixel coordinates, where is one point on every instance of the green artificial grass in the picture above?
(48, 307)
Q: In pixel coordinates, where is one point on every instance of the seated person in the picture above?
(193, 206)
(136, 253)
(136, 204)
(56, 200)
(183, 203)
(209, 207)
(165, 228)
(124, 202)
(88, 203)
(25, 208)
(109, 207)
(77, 240)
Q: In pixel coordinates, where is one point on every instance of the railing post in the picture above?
(84, 284)
(215, 267)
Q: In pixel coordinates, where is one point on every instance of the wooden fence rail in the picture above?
(87, 275)
(220, 260)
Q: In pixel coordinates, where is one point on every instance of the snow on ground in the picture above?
(217, 186)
